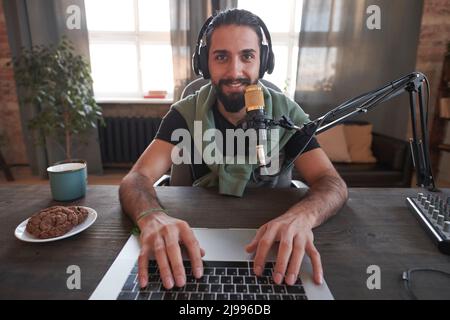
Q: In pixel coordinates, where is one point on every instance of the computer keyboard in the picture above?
(433, 212)
(222, 280)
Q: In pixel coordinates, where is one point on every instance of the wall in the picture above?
(434, 36)
(14, 150)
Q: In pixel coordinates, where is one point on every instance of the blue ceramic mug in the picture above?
(68, 180)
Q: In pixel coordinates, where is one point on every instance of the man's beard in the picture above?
(234, 102)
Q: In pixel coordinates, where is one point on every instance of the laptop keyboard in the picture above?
(222, 280)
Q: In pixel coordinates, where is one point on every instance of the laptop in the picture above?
(228, 274)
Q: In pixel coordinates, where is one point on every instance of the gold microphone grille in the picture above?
(254, 98)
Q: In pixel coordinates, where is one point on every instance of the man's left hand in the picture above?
(295, 235)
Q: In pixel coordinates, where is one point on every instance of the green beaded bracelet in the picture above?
(149, 211)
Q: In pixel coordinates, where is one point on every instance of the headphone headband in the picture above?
(200, 56)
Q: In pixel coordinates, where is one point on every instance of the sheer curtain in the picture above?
(43, 22)
(340, 57)
(186, 19)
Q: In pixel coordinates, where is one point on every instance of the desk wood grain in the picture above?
(373, 228)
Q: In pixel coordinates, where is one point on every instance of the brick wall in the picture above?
(434, 36)
(14, 151)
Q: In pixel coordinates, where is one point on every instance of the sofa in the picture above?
(393, 166)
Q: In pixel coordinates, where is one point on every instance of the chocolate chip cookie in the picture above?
(52, 222)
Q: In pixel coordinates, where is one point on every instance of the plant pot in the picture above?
(68, 179)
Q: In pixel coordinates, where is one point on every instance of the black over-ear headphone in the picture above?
(200, 56)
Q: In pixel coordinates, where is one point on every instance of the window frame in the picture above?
(138, 38)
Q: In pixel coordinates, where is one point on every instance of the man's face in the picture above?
(233, 62)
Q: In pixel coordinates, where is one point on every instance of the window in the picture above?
(130, 49)
(283, 20)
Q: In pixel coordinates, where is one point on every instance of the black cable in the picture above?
(407, 279)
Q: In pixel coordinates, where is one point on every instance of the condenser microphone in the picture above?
(255, 119)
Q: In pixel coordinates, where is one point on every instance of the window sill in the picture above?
(134, 100)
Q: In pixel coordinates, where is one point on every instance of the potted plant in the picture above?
(59, 83)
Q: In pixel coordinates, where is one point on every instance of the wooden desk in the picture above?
(374, 227)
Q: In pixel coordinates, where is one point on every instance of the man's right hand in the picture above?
(162, 235)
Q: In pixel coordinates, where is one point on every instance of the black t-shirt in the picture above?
(174, 120)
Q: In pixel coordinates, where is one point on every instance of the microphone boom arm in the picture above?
(411, 83)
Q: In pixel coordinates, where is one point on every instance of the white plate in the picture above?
(23, 235)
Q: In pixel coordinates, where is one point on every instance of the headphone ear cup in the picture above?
(264, 58)
(203, 62)
(270, 62)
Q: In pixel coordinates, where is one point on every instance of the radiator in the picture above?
(123, 140)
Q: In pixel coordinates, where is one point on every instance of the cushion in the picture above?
(334, 144)
(359, 142)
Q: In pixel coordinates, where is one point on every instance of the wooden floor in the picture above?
(23, 175)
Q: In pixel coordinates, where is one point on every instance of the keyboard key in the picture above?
(196, 296)
(267, 272)
(209, 296)
(231, 272)
(235, 296)
(250, 280)
(266, 289)
(177, 289)
(238, 280)
(214, 279)
(243, 272)
(153, 286)
(274, 297)
(279, 289)
(202, 280)
(248, 297)
(216, 288)
(269, 265)
(203, 288)
(126, 296)
(191, 287)
(295, 289)
(208, 271)
(190, 279)
(261, 297)
(222, 296)
(143, 296)
(169, 296)
(253, 289)
(183, 296)
(225, 279)
(228, 288)
(241, 288)
(287, 297)
(262, 280)
(300, 297)
(153, 270)
(152, 263)
(157, 296)
(220, 272)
